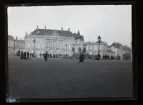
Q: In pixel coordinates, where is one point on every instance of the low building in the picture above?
(92, 48)
(19, 46)
(10, 45)
(123, 51)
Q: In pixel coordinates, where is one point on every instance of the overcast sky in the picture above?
(112, 22)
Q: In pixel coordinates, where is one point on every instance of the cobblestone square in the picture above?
(65, 78)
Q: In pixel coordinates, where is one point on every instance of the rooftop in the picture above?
(10, 37)
(118, 45)
(64, 33)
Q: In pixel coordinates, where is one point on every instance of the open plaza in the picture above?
(66, 78)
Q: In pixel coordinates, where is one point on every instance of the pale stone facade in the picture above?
(120, 50)
(10, 45)
(15, 46)
(52, 41)
(92, 48)
(19, 46)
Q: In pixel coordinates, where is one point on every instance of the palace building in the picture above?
(53, 41)
(63, 42)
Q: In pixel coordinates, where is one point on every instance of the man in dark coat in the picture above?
(80, 57)
(45, 56)
(28, 55)
(21, 57)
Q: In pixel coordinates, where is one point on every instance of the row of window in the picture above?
(49, 45)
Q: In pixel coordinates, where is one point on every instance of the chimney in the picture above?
(16, 38)
(62, 28)
(68, 29)
(37, 27)
(78, 32)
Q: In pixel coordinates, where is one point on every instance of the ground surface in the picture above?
(36, 78)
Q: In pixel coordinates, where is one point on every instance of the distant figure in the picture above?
(21, 57)
(28, 55)
(82, 57)
(24, 55)
(119, 57)
(45, 56)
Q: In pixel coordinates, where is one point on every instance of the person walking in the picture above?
(21, 57)
(80, 57)
(28, 55)
(45, 56)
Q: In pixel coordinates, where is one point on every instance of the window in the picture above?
(38, 46)
(43, 46)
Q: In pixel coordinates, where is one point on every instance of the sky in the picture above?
(111, 22)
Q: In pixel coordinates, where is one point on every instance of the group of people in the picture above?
(26, 55)
(110, 57)
(54, 55)
(81, 57)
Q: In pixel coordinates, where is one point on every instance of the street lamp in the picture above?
(99, 39)
(34, 45)
(117, 50)
(14, 47)
(131, 50)
(66, 49)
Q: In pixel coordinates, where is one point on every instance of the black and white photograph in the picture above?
(70, 51)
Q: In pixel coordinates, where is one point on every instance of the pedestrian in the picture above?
(21, 57)
(82, 57)
(28, 55)
(45, 56)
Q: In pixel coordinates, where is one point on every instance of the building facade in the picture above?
(92, 48)
(15, 45)
(19, 46)
(10, 45)
(63, 42)
(53, 41)
(123, 51)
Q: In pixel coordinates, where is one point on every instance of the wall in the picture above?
(10, 47)
(51, 44)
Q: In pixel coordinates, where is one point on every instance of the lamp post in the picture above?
(66, 49)
(14, 47)
(131, 50)
(117, 50)
(99, 39)
(34, 45)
